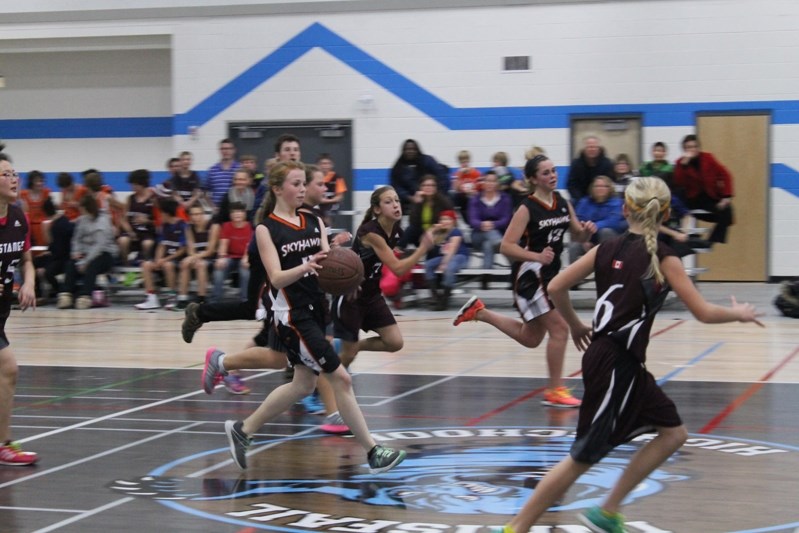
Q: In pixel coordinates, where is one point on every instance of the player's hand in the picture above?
(546, 256)
(581, 336)
(340, 238)
(312, 266)
(746, 312)
(27, 296)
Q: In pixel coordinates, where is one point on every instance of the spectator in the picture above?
(58, 231)
(707, 186)
(466, 183)
(445, 260)
(603, 208)
(623, 171)
(92, 253)
(408, 171)
(509, 181)
(138, 225)
(428, 203)
(659, 166)
(104, 194)
(591, 162)
(241, 192)
(201, 240)
(33, 199)
(250, 163)
(287, 148)
(183, 184)
(489, 216)
(71, 193)
(234, 237)
(220, 176)
(170, 249)
(336, 187)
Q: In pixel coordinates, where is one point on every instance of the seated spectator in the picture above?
(33, 199)
(410, 168)
(169, 250)
(182, 185)
(91, 253)
(659, 166)
(241, 192)
(427, 205)
(336, 188)
(465, 183)
(445, 260)
(510, 182)
(590, 163)
(234, 236)
(71, 193)
(107, 202)
(201, 241)
(58, 230)
(623, 173)
(489, 215)
(137, 227)
(707, 185)
(250, 163)
(603, 208)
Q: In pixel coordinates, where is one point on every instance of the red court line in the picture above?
(740, 400)
(535, 392)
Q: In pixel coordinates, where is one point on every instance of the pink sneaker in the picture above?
(11, 454)
(560, 397)
(335, 425)
(235, 385)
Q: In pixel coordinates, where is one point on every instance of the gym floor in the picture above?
(111, 400)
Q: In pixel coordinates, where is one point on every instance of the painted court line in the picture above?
(748, 393)
(85, 514)
(42, 510)
(690, 363)
(97, 455)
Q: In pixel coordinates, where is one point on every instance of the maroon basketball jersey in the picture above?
(626, 299)
(14, 241)
(372, 265)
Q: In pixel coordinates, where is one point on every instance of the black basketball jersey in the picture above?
(372, 265)
(14, 241)
(135, 211)
(626, 299)
(200, 239)
(546, 227)
(295, 244)
(173, 236)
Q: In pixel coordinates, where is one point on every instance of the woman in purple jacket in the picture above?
(489, 216)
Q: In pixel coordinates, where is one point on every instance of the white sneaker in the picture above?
(150, 303)
(64, 300)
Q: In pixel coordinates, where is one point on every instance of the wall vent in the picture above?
(516, 63)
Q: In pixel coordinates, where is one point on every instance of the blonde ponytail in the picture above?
(648, 200)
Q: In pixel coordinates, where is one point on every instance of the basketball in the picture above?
(341, 273)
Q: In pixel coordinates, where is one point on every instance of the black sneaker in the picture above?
(239, 442)
(383, 459)
(191, 322)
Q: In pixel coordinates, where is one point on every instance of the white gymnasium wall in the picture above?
(622, 53)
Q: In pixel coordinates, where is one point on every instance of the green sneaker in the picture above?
(383, 459)
(601, 521)
(130, 279)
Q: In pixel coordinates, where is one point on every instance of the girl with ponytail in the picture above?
(622, 400)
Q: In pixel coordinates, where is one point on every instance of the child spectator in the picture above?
(336, 187)
(465, 183)
(241, 193)
(509, 182)
(33, 199)
(201, 240)
(138, 225)
(445, 260)
(250, 163)
(170, 249)
(92, 253)
(234, 237)
(71, 193)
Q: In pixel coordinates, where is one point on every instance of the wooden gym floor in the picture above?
(111, 400)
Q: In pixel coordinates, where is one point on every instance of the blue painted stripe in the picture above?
(86, 128)
(691, 363)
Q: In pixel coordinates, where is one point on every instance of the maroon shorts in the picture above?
(367, 314)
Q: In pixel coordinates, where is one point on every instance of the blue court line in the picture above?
(690, 363)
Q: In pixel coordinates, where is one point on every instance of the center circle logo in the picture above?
(465, 480)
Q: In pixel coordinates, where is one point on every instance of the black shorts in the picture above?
(4, 343)
(609, 417)
(267, 337)
(368, 314)
(301, 332)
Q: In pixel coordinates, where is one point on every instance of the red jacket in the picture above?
(711, 177)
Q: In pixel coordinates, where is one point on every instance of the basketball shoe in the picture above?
(560, 397)
(235, 385)
(469, 311)
(191, 322)
(601, 521)
(239, 442)
(335, 425)
(383, 459)
(11, 454)
(212, 373)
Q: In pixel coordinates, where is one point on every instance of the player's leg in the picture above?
(10, 453)
(281, 399)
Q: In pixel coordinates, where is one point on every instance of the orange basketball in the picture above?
(341, 273)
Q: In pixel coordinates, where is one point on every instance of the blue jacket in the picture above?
(604, 215)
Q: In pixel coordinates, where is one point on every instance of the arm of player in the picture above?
(510, 247)
(398, 266)
(27, 293)
(558, 290)
(278, 277)
(703, 310)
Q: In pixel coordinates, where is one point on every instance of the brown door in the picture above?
(740, 143)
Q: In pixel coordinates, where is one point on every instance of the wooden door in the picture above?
(740, 143)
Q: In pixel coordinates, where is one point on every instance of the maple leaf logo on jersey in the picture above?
(617, 265)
